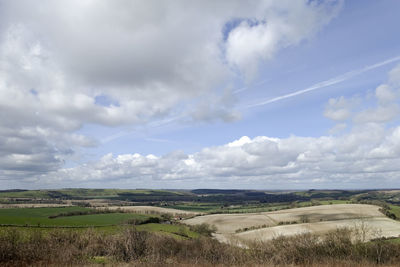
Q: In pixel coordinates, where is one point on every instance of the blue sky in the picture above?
(353, 40)
(200, 95)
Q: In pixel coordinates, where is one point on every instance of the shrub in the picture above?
(204, 229)
(69, 247)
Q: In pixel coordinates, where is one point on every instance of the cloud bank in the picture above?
(364, 153)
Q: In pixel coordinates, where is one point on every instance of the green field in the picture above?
(39, 217)
(33, 219)
(395, 209)
(249, 208)
(179, 231)
(85, 193)
(221, 208)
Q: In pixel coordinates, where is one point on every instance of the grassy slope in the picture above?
(25, 194)
(175, 230)
(395, 209)
(84, 193)
(249, 208)
(35, 216)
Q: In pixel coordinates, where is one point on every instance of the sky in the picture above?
(185, 94)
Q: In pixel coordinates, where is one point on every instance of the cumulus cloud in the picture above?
(141, 54)
(387, 95)
(366, 155)
(349, 159)
(386, 108)
(67, 64)
(339, 109)
(261, 37)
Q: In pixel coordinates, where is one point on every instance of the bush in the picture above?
(70, 247)
(204, 229)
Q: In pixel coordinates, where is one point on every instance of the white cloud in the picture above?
(261, 37)
(339, 109)
(366, 155)
(379, 114)
(259, 160)
(147, 59)
(386, 108)
(385, 94)
(335, 80)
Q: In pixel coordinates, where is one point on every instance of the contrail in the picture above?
(316, 86)
(326, 83)
(154, 124)
(237, 91)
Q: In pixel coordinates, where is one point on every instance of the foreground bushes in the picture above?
(76, 247)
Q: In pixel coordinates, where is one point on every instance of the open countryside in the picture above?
(367, 218)
(200, 133)
(316, 219)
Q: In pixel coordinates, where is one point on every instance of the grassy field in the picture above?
(178, 231)
(249, 208)
(103, 237)
(220, 208)
(153, 210)
(109, 223)
(25, 194)
(84, 193)
(395, 209)
(40, 217)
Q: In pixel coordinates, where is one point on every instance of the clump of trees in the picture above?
(85, 212)
(387, 211)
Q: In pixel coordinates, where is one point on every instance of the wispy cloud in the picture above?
(112, 137)
(320, 85)
(237, 91)
(317, 86)
(151, 125)
(159, 140)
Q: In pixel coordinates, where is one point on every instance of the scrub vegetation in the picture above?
(68, 247)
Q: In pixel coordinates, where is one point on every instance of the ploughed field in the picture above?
(316, 219)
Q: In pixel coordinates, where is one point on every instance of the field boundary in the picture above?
(59, 226)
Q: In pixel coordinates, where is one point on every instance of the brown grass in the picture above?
(66, 247)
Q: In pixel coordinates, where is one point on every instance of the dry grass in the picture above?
(141, 248)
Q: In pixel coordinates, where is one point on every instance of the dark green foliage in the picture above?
(84, 212)
(152, 220)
